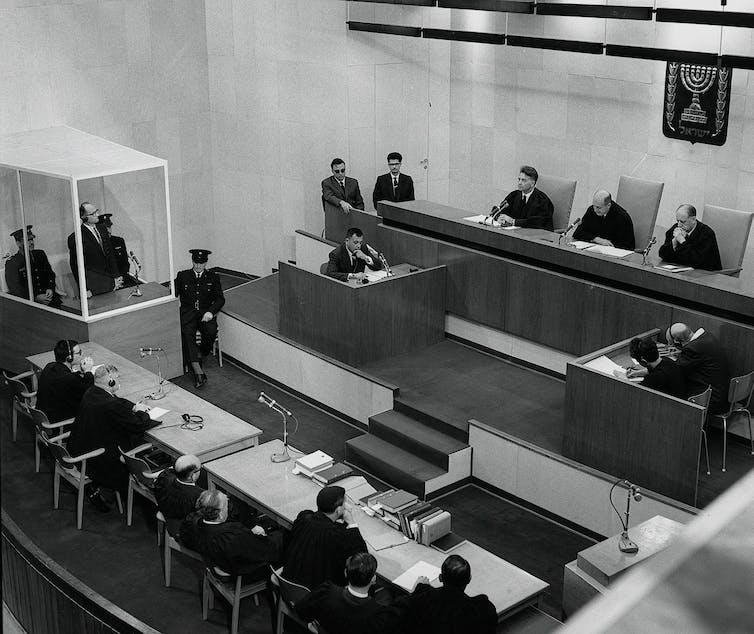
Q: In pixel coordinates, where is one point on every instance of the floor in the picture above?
(105, 544)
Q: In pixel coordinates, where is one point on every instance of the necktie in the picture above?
(395, 186)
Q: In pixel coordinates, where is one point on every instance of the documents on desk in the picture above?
(483, 220)
(613, 252)
(375, 276)
(407, 580)
(309, 464)
(675, 268)
(605, 365)
(156, 412)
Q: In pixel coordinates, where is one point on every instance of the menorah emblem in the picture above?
(697, 80)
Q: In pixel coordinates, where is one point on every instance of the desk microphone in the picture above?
(133, 257)
(570, 228)
(143, 352)
(272, 403)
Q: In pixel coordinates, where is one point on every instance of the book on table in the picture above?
(309, 464)
(448, 542)
(330, 475)
(398, 500)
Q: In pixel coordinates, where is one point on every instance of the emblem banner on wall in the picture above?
(697, 101)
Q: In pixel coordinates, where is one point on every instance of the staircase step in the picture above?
(408, 433)
(457, 429)
(392, 464)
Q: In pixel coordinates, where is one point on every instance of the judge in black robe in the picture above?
(690, 242)
(526, 206)
(60, 390)
(606, 222)
(105, 420)
(321, 541)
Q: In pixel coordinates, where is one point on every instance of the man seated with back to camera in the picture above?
(659, 374)
(449, 610)
(108, 421)
(60, 388)
(350, 259)
(352, 609)
(321, 541)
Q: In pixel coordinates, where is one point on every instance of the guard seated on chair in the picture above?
(201, 298)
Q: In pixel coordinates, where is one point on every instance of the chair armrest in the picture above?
(62, 436)
(28, 394)
(139, 449)
(62, 423)
(85, 456)
(734, 271)
(152, 475)
(23, 375)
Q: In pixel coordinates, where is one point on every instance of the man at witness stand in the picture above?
(350, 259)
(341, 192)
(449, 610)
(690, 242)
(105, 420)
(526, 206)
(607, 223)
(351, 609)
(321, 541)
(61, 386)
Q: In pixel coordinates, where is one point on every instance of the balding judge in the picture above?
(690, 242)
(607, 223)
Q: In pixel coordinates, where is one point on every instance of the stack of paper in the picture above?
(604, 365)
(407, 580)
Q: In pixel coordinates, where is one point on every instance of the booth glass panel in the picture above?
(12, 258)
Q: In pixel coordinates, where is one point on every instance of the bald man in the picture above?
(702, 364)
(176, 491)
(690, 242)
(607, 223)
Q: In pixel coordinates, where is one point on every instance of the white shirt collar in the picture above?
(361, 595)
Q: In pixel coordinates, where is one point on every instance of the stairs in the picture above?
(412, 451)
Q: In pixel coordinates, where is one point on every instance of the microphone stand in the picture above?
(625, 545)
(137, 291)
(283, 456)
(159, 392)
(645, 253)
(383, 261)
(568, 230)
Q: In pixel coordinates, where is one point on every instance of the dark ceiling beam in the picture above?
(505, 6)
(662, 54)
(595, 11)
(716, 18)
(388, 29)
(576, 46)
(464, 36)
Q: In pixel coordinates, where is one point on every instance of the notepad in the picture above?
(674, 268)
(613, 252)
(407, 580)
(604, 365)
(374, 276)
(156, 412)
(580, 244)
(484, 220)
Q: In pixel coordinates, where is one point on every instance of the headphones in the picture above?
(111, 382)
(192, 422)
(69, 358)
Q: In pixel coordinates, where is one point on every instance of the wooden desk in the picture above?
(630, 431)
(596, 567)
(222, 434)
(359, 323)
(251, 476)
(521, 282)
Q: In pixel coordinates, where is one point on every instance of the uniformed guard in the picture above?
(119, 250)
(201, 299)
(42, 275)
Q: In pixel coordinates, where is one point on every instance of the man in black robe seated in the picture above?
(526, 206)
(321, 541)
(351, 609)
(449, 610)
(607, 223)
(42, 275)
(690, 242)
(176, 491)
(348, 261)
(660, 374)
(702, 363)
(60, 389)
(105, 420)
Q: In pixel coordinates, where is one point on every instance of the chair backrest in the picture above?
(17, 389)
(702, 398)
(290, 592)
(60, 453)
(39, 418)
(561, 192)
(641, 199)
(740, 390)
(323, 268)
(137, 467)
(731, 228)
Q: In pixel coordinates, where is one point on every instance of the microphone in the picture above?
(635, 491)
(570, 228)
(133, 257)
(645, 252)
(500, 209)
(272, 403)
(148, 351)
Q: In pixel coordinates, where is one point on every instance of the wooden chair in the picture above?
(171, 544)
(22, 398)
(561, 192)
(731, 228)
(43, 427)
(232, 589)
(73, 470)
(641, 199)
(703, 400)
(739, 397)
(287, 595)
(140, 480)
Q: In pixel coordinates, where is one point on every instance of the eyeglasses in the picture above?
(393, 164)
(94, 213)
(340, 171)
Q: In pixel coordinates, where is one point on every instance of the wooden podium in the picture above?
(596, 567)
(357, 323)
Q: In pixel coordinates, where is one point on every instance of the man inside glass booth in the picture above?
(42, 275)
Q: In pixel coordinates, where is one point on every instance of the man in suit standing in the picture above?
(100, 268)
(42, 275)
(526, 206)
(120, 252)
(348, 261)
(60, 389)
(394, 186)
(691, 242)
(201, 296)
(339, 191)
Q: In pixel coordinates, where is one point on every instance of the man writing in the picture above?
(607, 223)
(340, 192)
(690, 242)
(350, 259)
